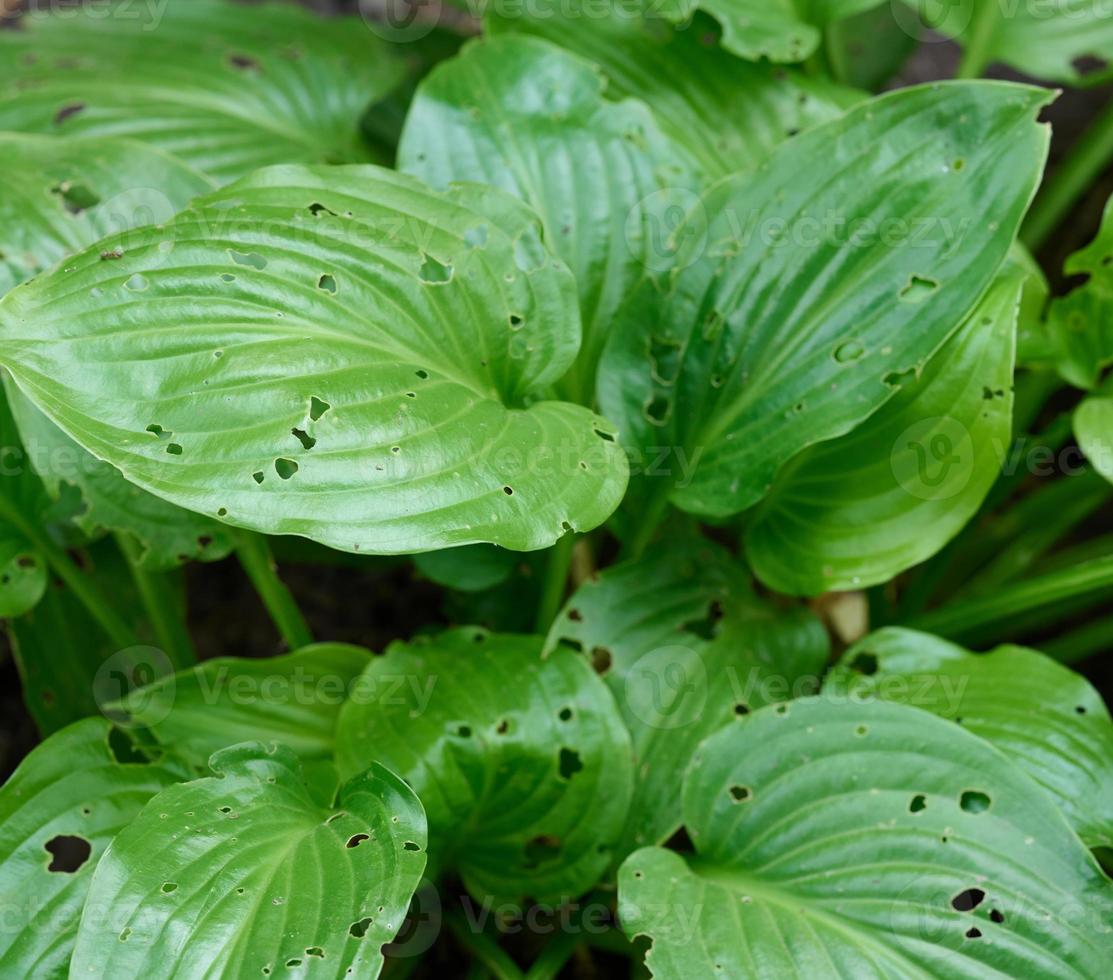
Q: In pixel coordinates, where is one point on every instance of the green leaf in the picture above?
(1047, 718)
(799, 303)
(857, 510)
(469, 569)
(1093, 428)
(59, 810)
(692, 85)
(23, 508)
(226, 87)
(1079, 326)
(329, 352)
(845, 839)
(685, 647)
(293, 699)
(1043, 40)
(243, 874)
(61, 195)
(525, 116)
(870, 47)
(522, 763)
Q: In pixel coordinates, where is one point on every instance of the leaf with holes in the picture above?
(293, 699)
(799, 303)
(690, 83)
(1049, 719)
(61, 196)
(523, 115)
(685, 646)
(522, 763)
(226, 87)
(836, 838)
(242, 873)
(341, 354)
(1066, 41)
(857, 510)
(63, 805)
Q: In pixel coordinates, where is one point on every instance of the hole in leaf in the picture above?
(995, 916)
(973, 933)
(919, 802)
(464, 731)
(317, 209)
(169, 886)
(315, 951)
(243, 62)
(258, 476)
(68, 853)
(410, 846)
(974, 802)
(136, 283)
(157, 430)
(740, 793)
(327, 283)
(422, 373)
(657, 409)
(317, 408)
(601, 659)
(173, 449)
(917, 289)
(741, 708)
(68, 111)
(285, 468)
(605, 436)
(306, 440)
(359, 929)
(509, 491)
(503, 727)
(849, 352)
(434, 272)
(253, 259)
(968, 900)
(565, 714)
(864, 663)
(356, 839)
(569, 763)
(575, 615)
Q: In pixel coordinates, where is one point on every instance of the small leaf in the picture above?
(857, 510)
(1047, 718)
(686, 648)
(523, 764)
(224, 87)
(470, 569)
(63, 805)
(294, 699)
(242, 873)
(1093, 428)
(194, 422)
(836, 838)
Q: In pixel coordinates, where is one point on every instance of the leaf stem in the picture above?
(975, 54)
(484, 949)
(81, 585)
(1089, 156)
(552, 958)
(555, 583)
(254, 554)
(655, 508)
(959, 618)
(158, 597)
(1081, 642)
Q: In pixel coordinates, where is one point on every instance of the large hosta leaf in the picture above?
(523, 115)
(228, 87)
(294, 699)
(1046, 717)
(803, 302)
(522, 764)
(60, 196)
(58, 812)
(871, 840)
(859, 509)
(685, 646)
(1043, 40)
(338, 353)
(243, 874)
(725, 113)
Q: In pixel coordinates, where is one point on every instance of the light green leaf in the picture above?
(61, 195)
(469, 569)
(871, 46)
(800, 304)
(1044, 40)
(685, 646)
(725, 113)
(868, 840)
(60, 809)
(521, 114)
(243, 874)
(1079, 325)
(1093, 428)
(293, 699)
(857, 510)
(226, 87)
(752, 29)
(337, 353)
(522, 763)
(1047, 718)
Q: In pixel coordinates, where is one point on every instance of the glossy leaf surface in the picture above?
(522, 763)
(341, 354)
